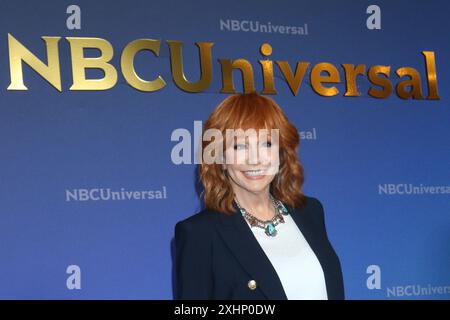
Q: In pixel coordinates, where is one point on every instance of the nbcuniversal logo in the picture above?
(257, 26)
(325, 78)
(109, 194)
(373, 282)
(411, 189)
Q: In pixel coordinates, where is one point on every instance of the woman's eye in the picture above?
(239, 146)
(267, 144)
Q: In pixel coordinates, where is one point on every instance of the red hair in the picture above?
(244, 111)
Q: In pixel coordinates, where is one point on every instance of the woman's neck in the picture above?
(259, 205)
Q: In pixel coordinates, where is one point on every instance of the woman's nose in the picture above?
(253, 155)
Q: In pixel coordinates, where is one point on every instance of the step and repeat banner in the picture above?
(102, 105)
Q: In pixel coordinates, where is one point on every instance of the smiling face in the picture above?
(221, 188)
(252, 160)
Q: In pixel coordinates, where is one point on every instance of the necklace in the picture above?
(268, 225)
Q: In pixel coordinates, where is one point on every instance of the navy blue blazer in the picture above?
(216, 255)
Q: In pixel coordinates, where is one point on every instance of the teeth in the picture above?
(254, 172)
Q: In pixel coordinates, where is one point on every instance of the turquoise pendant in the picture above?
(282, 210)
(270, 230)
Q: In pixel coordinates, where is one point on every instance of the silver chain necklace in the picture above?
(268, 225)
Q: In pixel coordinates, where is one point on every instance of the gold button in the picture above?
(252, 284)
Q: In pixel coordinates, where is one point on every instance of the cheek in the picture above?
(240, 157)
(270, 156)
(235, 157)
(233, 170)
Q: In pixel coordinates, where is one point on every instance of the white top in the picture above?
(296, 264)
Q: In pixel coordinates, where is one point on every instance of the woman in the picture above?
(259, 236)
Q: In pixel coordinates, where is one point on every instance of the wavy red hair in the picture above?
(244, 111)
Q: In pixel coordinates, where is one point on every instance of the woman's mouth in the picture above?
(254, 174)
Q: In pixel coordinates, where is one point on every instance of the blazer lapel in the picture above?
(303, 222)
(243, 244)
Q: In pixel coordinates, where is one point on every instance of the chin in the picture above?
(257, 190)
(256, 185)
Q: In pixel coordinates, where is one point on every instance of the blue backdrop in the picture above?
(373, 163)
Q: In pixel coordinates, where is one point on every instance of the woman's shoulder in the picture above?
(198, 221)
(313, 203)
(313, 208)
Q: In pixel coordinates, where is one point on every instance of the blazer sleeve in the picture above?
(193, 261)
(338, 276)
(321, 216)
